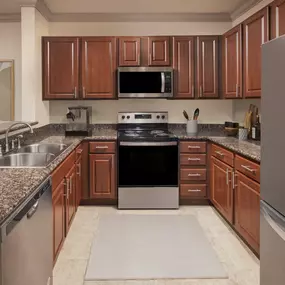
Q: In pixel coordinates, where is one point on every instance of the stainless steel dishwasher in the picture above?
(26, 241)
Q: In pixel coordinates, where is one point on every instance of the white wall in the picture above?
(250, 12)
(104, 112)
(10, 48)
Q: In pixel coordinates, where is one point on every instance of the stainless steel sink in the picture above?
(23, 160)
(43, 148)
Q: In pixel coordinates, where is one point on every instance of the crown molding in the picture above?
(247, 5)
(6, 18)
(43, 9)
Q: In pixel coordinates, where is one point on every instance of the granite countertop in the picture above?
(17, 184)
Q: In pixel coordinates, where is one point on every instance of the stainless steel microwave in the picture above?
(145, 82)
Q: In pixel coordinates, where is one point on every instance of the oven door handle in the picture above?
(170, 143)
(162, 82)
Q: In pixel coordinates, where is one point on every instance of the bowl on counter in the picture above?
(231, 129)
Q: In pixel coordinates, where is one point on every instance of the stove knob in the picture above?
(163, 117)
(123, 117)
(158, 117)
(128, 117)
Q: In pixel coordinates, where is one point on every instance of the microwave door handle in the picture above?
(162, 82)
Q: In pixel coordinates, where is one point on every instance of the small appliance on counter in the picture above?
(79, 118)
(231, 129)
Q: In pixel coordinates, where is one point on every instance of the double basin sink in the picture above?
(32, 156)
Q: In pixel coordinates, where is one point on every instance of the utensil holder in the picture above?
(192, 127)
(242, 134)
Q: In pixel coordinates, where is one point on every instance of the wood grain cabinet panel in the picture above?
(193, 159)
(99, 63)
(58, 205)
(193, 190)
(184, 66)
(189, 174)
(222, 154)
(192, 147)
(247, 210)
(102, 176)
(208, 66)
(232, 63)
(255, 33)
(79, 181)
(277, 18)
(129, 51)
(60, 68)
(222, 188)
(158, 51)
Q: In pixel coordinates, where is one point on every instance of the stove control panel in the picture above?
(142, 118)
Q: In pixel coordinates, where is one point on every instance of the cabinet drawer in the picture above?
(78, 151)
(248, 168)
(223, 155)
(193, 159)
(193, 147)
(193, 174)
(193, 190)
(102, 147)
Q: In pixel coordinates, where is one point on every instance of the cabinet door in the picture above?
(99, 67)
(129, 51)
(60, 68)
(247, 209)
(78, 181)
(232, 63)
(255, 30)
(221, 188)
(207, 67)
(102, 175)
(158, 51)
(277, 19)
(70, 197)
(58, 205)
(183, 65)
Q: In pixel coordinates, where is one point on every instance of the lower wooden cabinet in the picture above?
(247, 209)
(70, 197)
(102, 176)
(79, 181)
(221, 188)
(58, 205)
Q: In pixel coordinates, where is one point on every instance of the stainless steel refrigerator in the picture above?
(272, 211)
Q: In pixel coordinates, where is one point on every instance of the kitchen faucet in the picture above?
(8, 130)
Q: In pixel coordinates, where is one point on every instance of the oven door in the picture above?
(148, 175)
(145, 82)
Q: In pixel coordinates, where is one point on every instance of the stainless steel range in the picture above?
(148, 162)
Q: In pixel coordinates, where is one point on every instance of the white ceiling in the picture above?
(129, 6)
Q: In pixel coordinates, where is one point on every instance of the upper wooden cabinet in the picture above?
(60, 68)
(129, 51)
(277, 18)
(208, 66)
(99, 67)
(158, 51)
(232, 63)
(184, 66)
(255, 33)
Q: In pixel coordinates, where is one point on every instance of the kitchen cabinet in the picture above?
(70, 181)
(208, 66)
(277, 18)
(184, 67)
(158, 51)
(232, 63)
(222, 188)
(58, 206)
(255, 33)
(129, 51)
(247, 209)
(102, 176)
(60, 67)
(99, 63)
(79, 181)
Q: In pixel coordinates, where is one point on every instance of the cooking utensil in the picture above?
(196, 114)
(186, 115)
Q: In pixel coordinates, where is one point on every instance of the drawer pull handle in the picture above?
(195, 146)
(102, 147)
(194, 190)
(194, 174)
(194, 159)
(219, 153)
(79, 151)
(249, 169)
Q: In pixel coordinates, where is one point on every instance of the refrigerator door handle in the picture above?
(277, 227)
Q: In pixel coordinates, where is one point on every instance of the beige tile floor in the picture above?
(240, 264)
